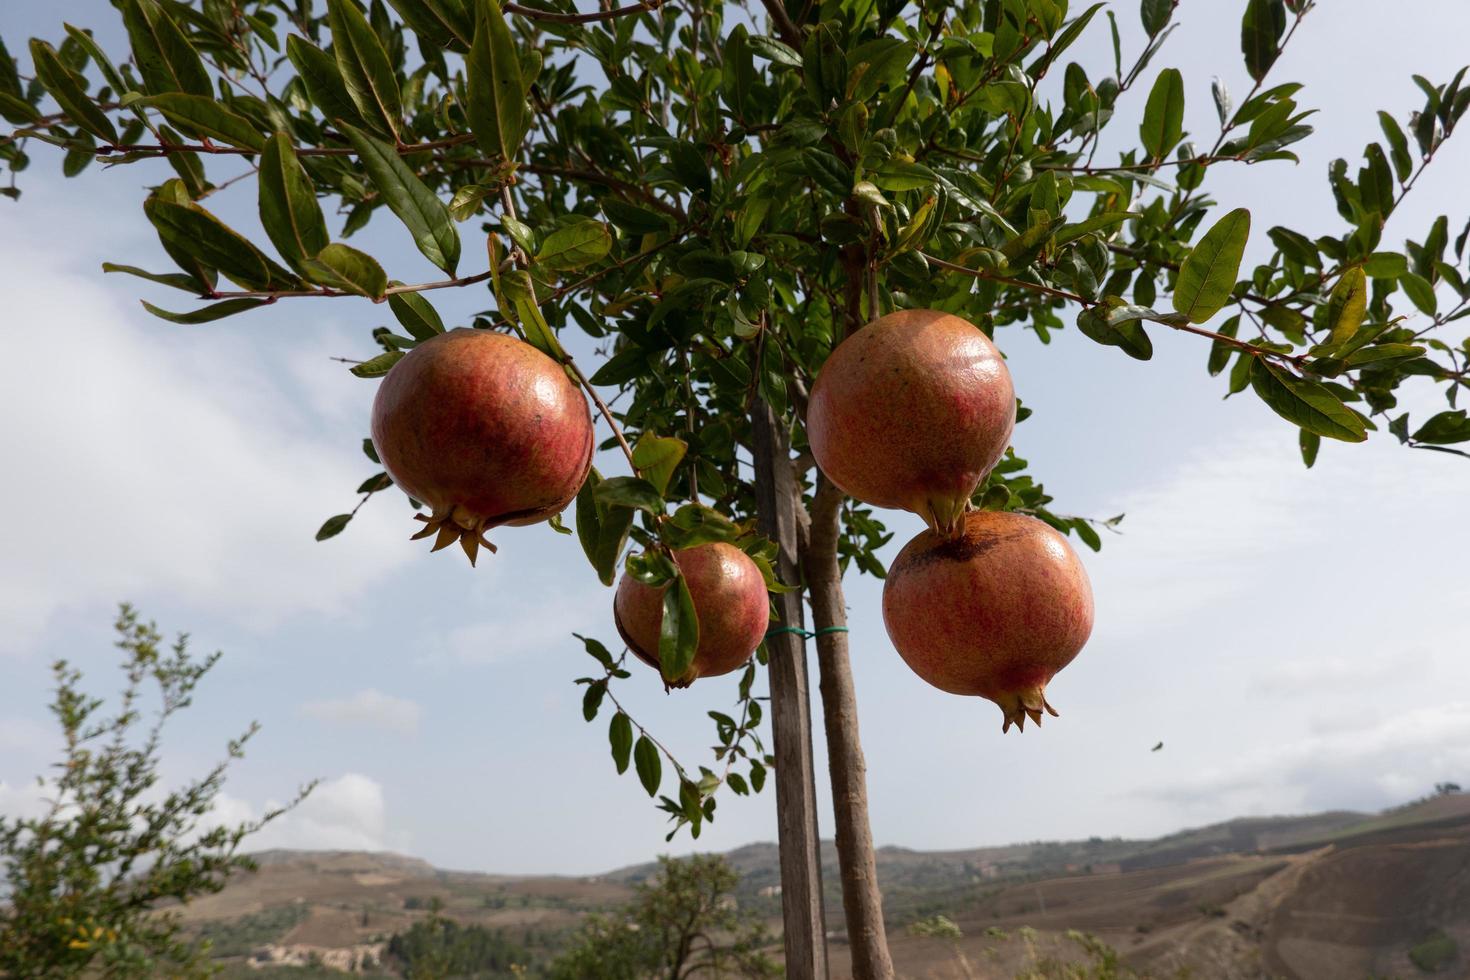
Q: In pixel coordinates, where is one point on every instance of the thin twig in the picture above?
(555, 17)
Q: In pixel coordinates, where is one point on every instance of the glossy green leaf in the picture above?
(1219, 351)
(497, 109)
(1444, 429)
(196, 232)
(206, 117)
(68, 91)
(366, 70)
(646, 761)
(1310, 443)
(288, 207)
(378, 366)
(1260, 35)
(1120, 327)
(630, 491)
(774, 51)
(657, 457)
(1305, 403)
(678, 634)
(574, 245)
(1398, 146)
(417, 314)
(16, 110)
(333, 526)
(322, 80)
(420, 209)
(163, 53)
(343, 267)
(1163, 116)
(620, 738)
(1207, 275)
(1097, 222)
(444, 23)
(175, 279)
(602, 529)
(1347, 305)
(1155, 15)
(206, 314)
(1420, 292)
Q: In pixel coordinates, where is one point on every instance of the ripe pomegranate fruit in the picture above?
(996, 611)
(912, 412)
(484, 429)
(729, 598)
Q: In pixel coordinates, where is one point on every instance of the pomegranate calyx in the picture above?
(453, 525)
(1017, 706)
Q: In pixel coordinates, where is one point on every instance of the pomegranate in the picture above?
(484, 429)
(912, 412)
(729, 598)
(994, 612)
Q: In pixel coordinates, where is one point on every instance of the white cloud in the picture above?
(1376, 761)
(369, 707)
(520, 627)
(343, 814)
(23, 800)
(24, 735)
(151, 459)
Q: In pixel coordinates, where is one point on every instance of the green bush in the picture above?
(1434, 953)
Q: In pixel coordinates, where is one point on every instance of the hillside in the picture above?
(1320, 897)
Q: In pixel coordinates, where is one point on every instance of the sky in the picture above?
(1294, 637)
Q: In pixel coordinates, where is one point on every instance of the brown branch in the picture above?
(555, 17)
(164, 149)
(787, 28)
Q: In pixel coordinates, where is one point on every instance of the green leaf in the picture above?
(365, 68)
(1155, 15)
(468, 200)
(419, 208)
(215, 311)
(1070, 233)
(678, 635)
(1310, 442)
(207, 117)
(497, 102)
(774, 51)
(377, 366)
(630, 491)
(1119, 326)
(166, 59)
(68, 91)
(1444, 429)
(175, 279)
(16, 110)
(574, 245)
(444, 23)
(196, 232)
(1260, 35)
(288, 207)
(1163, 117)
(323, 81)
(1420, 292)
(1398, 146)
(1220, 352)
(1347, 305)
(333, 527)
(633, 219)
(620, 737)
(417, 315)
(602, 528)
(1305, 403)
(657, 457)
(344, 267)
(1207, 276)
(646, 761)
(592, 699)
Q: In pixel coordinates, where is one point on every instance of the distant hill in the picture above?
(1331, 896)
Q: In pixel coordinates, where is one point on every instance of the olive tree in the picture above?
(717, 194)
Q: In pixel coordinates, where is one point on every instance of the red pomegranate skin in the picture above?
(995, 612)
(484, 428)
(912, 412)
(729, 598)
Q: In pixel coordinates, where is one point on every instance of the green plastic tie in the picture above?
(805, 634)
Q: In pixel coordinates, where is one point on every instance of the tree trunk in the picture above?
(862, 902)
(777, 497)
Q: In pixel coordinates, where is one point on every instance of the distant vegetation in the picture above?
(1434, 953)
(439, 948)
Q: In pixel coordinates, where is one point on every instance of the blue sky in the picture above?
(1294, 637)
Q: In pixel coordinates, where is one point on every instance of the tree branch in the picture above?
(555, 17)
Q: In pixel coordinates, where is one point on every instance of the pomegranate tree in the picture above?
(995, 611)
(730, 602)
(912, 411)
(484, 429)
